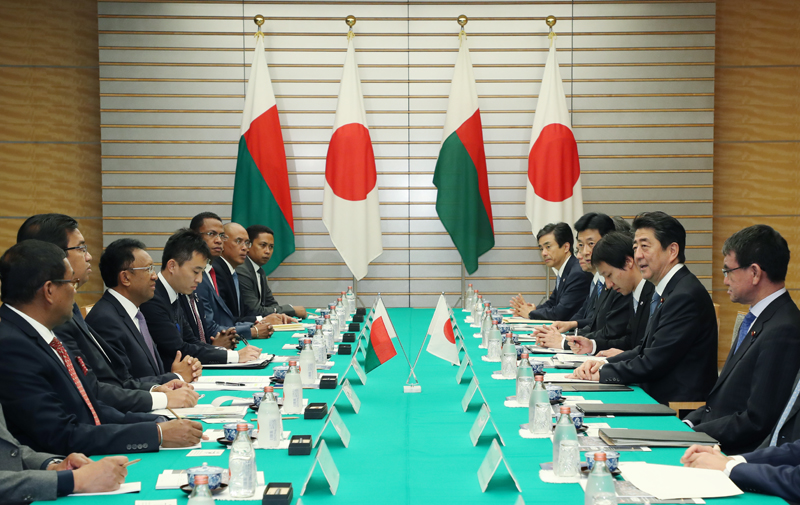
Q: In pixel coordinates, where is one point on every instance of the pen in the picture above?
(290, 417)
(129, 463)
(174, 413)
(244, 340)
(221, 383)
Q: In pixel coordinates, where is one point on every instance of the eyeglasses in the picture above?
(67, 281)
(240, 241)
(212, 235)
(82, 248)
(726, 271)
(149, 269)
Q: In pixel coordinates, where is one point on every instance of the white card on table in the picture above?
(348, 391)
(489, 466)
(125, 488)
(462, 369)
(473, 386)
(484, 416)
(328, 469)
(359, 371)
(339, 426)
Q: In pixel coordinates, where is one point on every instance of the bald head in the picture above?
(235, 248)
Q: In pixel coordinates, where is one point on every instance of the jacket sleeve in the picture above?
(773, 470)
(569, 301)
(617, 320)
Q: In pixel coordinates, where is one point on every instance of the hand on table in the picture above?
(547, 336)
(181, 433)
(609, 353)
(249, 353)
(263, 328)
(703, 456)
(189, 367)
(279, 319)
(589, 370)
(71, 462)
(226, 339)
(108, 474)
(521, 307)
(300, 311)
(580, 345)
(182, 398)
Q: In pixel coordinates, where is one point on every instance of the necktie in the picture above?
(785, 415)
(744, 328)
(236, 286)
(635, 305)
(558, 281)
(62, 353)
(196, 314)
(262, 283)
(600, 287)
(654, 302)
(148, 339)
(213, 276)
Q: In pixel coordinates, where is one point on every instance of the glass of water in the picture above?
(568, 459)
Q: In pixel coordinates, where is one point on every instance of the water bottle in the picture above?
(308, 363)
(242, 464)
(486, 326)
(600, 481)
(270, 424)
(327, 334)
(476, 313)
(470, 300)
(538, 395)
(201, 495)
(524, 380)
(508, 365)
(318, 345)
(292, 390)
(341, 313)
(565, 430)
(351, 300)
(494, 343)
(334, 321)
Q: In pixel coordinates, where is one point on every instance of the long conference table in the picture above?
(410, 448)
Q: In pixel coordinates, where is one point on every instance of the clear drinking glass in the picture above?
(568, 459)
(542, 419)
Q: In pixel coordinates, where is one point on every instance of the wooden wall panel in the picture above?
(757, 123)
(50, 119)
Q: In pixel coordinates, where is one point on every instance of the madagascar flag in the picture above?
(261, 188)
(380, 348)
(462, 199)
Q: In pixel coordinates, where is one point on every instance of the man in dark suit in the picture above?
(182, 262)
(217, 316)
(130, 276)
(257, 298)
(49, 407)
(27, 475)
(788, 429)
(677, 358)
(747, 400)
(614, 257)
(604, 312)
(572, 283)
(114, 385)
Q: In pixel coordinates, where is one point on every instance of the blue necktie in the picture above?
(558, 281)
(785, 415)
(236, 285)
(744, 328)
(600, 287)
(654, 303)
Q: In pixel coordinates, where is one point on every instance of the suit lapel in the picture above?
(651, 324)
(217, 298)
(137, 335)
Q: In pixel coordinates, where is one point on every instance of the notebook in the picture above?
(655, 438)
(625, 409)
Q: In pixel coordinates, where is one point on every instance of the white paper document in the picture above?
(204, 411)
(564, 377)
(127, 487)
(566, 358)
(667, 482)
(264, 357)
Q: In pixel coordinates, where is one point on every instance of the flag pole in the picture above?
(463, 287)
(409, 388)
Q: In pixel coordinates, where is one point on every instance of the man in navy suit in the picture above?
(677, 358)
(572, 283)
(49, 407)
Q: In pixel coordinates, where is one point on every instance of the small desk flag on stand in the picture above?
(443, 340)
(380, 348)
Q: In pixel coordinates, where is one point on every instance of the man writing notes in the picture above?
(182, 262)
(218, 317)
(47, 404)
(605, 312)
(614, 258)
(114, 385)
(257, 298)
(572, 283)
(752, 390)
(677, 358)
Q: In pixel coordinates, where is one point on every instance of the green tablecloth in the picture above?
(411, 448)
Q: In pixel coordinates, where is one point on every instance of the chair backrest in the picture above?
(85, 310)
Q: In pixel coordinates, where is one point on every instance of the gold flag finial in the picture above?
(350, 20)
(551, 21)
(258, 20)
(462, 21)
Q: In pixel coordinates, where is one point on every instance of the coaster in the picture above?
(500, 377)
(514, 404)
(476, 335)
(481, 346)
(550, 476)
(524, 433)
(486, 358)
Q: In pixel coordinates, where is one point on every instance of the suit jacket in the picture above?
(22, 471)
(677, 359)
(217, 316)
(44, 409)
(170, 329)
(637, 324)
(114, 385)
(774, 470)
(567, 297)
(126, 340)
(255, 303)
(585, 314)
(747, 401)
(611, 317)
(790, 431)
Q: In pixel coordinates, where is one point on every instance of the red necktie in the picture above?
(213, 275)
(59, 348)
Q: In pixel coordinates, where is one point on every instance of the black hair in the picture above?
(761, 245)
(198, 220)
(182, 245)
(622, 225)
(595, 221)
(53, 228)
(117, 257)
(255, 230)
(561, 231)
(26, 266)
(613, 249)
(666, 228)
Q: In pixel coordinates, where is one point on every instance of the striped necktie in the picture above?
(62, 353)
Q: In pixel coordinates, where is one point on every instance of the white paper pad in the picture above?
(667, 482)
(204, 411)
(264, 357)
(223, 420)
(198, 445)
(594, 428)
(567, 358)
(289, 327)
(287, 347)
(127, 487)
(564, 377)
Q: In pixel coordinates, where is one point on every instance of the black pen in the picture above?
(221, 383)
